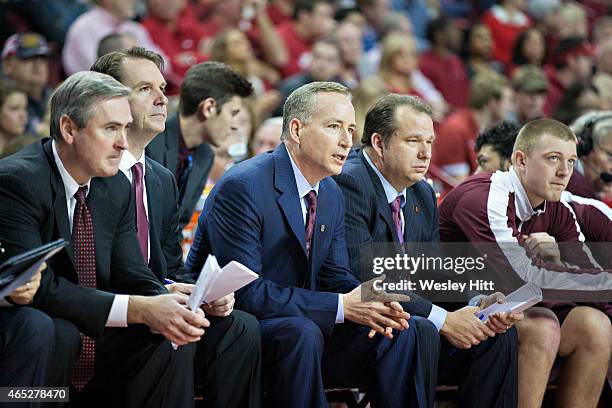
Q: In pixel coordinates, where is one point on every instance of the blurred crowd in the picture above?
(476, 63)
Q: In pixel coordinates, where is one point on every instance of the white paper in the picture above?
(519, 300)
(215, 282)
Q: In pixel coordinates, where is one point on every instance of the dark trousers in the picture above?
(228, 362)
(487, 374)
(299, 362)
(135, 368)
(26, 345)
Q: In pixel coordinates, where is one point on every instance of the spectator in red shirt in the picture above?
(176, 32)
(312, 19)
(506, 20)
(442, 66)
(280, 11)
(490, 102)
(573, 63)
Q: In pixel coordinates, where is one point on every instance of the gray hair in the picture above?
(77, 96)
(600, 123)
(301, 103)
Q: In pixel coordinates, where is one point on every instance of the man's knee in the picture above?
(593, 328)
(540, 330)
(35, 331)
(300, 333)
(248, 328)
(425, 330)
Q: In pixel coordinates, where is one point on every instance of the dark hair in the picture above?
(211, 79)
(7, 88)
(110, 43)
(435, 26)
(566, 47)
(500, 137)
(381, 117)
(517, 54)
(568, 109)
(111, 63)
(306, 5)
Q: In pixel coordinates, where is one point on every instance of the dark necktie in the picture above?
(85, 263)
(396, 207)
(311, 215)
(142, 225)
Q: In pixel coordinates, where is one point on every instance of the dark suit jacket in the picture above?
(253, 216)
(33, 211)
(368, 217)
(164, 150)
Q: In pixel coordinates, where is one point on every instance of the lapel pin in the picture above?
(323, 228)
(416, 209)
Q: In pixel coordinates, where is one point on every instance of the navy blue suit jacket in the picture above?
(369, 220)
(253, 215)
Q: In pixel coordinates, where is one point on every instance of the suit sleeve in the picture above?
(230, 227)
(360, 242)
(21, 222)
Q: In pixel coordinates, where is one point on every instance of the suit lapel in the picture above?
(60, 206)
(412, 227)
(155, 199)
(384, 211)
(289, 200)
(322, 229)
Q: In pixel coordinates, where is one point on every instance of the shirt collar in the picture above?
(128, 161)
(524, 211)
(70, 184)
(303, 186)
(390, 192)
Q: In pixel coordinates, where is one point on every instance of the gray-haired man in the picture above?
(51, 190)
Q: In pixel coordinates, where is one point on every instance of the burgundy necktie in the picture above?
(142, 225)
(311, 215)
(85, 263)
(396, 207)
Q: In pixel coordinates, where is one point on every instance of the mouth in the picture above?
(560, 185)
(421, 168)
(340, 157)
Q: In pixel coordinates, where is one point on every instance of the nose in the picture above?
(346, 140)
(424, 152)
(162, 99)
(564, 170)
(122, 141)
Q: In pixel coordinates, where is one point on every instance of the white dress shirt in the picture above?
(303, 188)
(118, 313)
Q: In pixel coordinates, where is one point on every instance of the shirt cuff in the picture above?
(118, 313)
(340, 311)
(437, 316)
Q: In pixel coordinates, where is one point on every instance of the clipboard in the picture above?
(19, 269)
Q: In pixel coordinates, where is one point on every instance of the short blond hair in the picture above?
(486, 86)
(531, 133)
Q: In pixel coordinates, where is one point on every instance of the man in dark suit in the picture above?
(387, 201)
(229, 356)
(52, 189)
(282, 216)
(209, 104)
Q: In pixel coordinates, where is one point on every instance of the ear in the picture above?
(519, 159)
(207, 109)
(68, 129)
(377, 143)
(295, 127)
